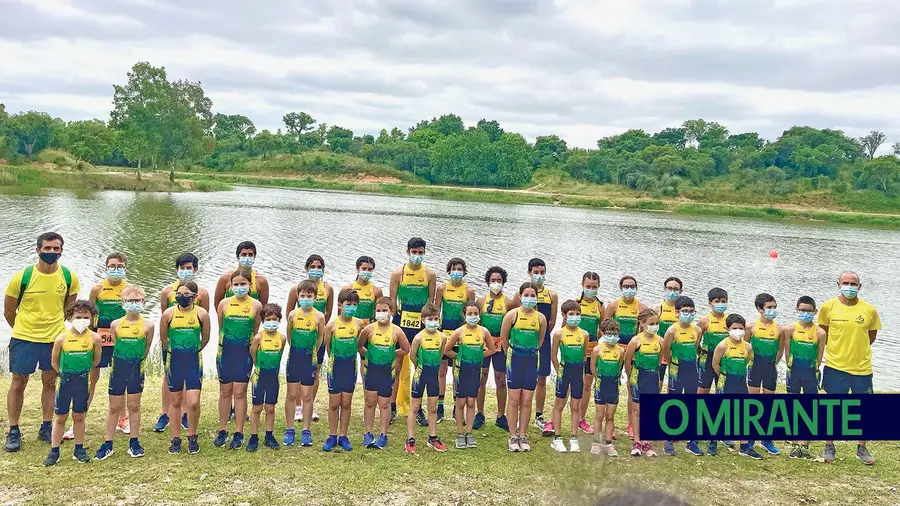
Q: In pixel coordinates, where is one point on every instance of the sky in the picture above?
(581, 69)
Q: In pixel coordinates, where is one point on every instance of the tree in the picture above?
(512, 162)
(265, 143)
(448, 124)
(882, 172)
(90, 140)
(298, 123)
(630, 141)
(492, 128)
(872, 142)
(233, 126)
(31, 131)
(138, 112)
(671, 136)
(339, 139)
(895, 149)
(550, 149)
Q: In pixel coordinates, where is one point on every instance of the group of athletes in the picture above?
(404, 343)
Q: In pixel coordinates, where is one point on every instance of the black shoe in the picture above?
(13, 441)
(421, 418)
(44, 433)
(253, 443)
(52, 458)
(221, 439)
(81, 456)
(270, 442)
(193, 445)
(237, 441)
(176, 446)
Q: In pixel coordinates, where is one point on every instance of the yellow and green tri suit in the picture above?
(492, 313)
(412, 295)
(733, 368)
(342, 359)
(109, 309)
(254, 289)
(762, 370)
(683, 373)
(467, 366)
(321, 299)
(609, 374)
(803, 359)
(233, 361)
(716, 332)
(76, 359)
(545, 307)
(378, 369)
(301, 364)
(667, 317)
(572, 346)
(129, 351)
(264, 380)
(644, 378)
(591, 314)
(184, 369)
(522, 355)
(428, 363)
(365, 310)
(626, 314)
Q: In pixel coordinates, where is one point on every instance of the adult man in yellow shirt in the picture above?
(33, 307)
(851, 326)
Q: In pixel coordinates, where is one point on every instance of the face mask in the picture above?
(457, 275)
(736, 334)
(848, 291)
(270, 326)
(529, 302)
(672, 295)
(629, 293)
(81, 324)
(305, 302)
(365, 275)
(49, 258)
(610, 339)
(496, 288)
(770, 314)
(184, 300)
(721, 307)
(349, 310)
(416, 259)
(807, 316)
(240, 291)
(382, 316)
(246, 261)
(573, 321)
(473, 319)
(538, 279)
(185, 274)
(653, 329)
(432, 325)
(115, 273)
(133, 307)
(685, 317)
(315, 273)
(589, 292)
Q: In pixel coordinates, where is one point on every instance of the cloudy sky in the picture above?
(582, 69)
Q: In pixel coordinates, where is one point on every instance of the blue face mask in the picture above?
(186, 274)
(365, 275)
(49, 258)
(807, 316)
(629, 293)
(457, 275)
(133, 307)
(315, 273)
(770, 314)
(473, 319)
(720, 307)
(686, 316)
(538, 279)
(672, 295)
(270, 326)
(246, 261)
(240, 291)
(849, 291)
(416, 259)
(609, 339)
(573, 321)
(349, 310)
(115, 273)
(305, 302)
(589, 292)
(432, 325)
(529, 302)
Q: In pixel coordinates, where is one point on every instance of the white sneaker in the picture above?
(539, 423)
(523, 444)
(123, 426)
(298, 414)
(514, 444)
(558, 445)
(611, 451)
(315, 417)
(574, 447)
(598, 449)
(70, 434)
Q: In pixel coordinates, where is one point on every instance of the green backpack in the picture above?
(26, 279)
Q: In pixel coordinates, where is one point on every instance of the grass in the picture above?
(322, 165)
(34, 179)
(486, 475)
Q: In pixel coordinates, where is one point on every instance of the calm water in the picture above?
(288, 225)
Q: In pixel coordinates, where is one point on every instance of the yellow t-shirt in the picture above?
(848, 348)
(40, 316)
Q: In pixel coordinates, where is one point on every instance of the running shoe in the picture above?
(862, 453)
(548, 430)
(298, 414)
(175, 447)
(574, 445)
(611, 451)
(193, 445)
(381, 442)
(421, 418)
(558, 445)
(460, 441)
(440, 412)
(514, 444)
(344, 443)
(669, 448)
(68, 435)
(105, 451)
(123, 425)
(52, 458)
(694, 449)
(161, 423)
(795, 452)
(330, 443)
(305, 438)
(479, 421)
(630, 431)
(237, 441)
(748, 451)
(80, 456)
(771, 448)
(502, 423)
(585, 427)
(598, 449)
(636, 449)
(253, 443)
(135, 450)
(220, 439)
(523, 444)
(410, 445)
(539, 423)
(13, 441)
(828, 453)
(712, 449)
(270, 442)
(288, 437)
(647, 449)
(45, 432)
(393, 414)
(368, 440)
(470, 441)
(184, 421)
(436, 444)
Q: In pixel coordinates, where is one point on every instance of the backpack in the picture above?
(26, 279)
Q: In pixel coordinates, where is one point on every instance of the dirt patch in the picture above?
(362, 177)
(14, 496)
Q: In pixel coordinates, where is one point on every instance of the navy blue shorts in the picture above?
(661, 371)
(842, 383)
(342, 375)
(803, 380)
(379, 378)
(466, 380)
(425, 382)
(301, 367)
(320, 355)
(498, 360)
(734, 384)
(647, 383)
(762, 373)
(570, 381)
(521, 372)
(708, 376)
(233, 364)
(25, 356)
(683, 378)
(106, 355)
(127, 376)
(184, 371)
(264, 387)
(606, 390)
(71, 393)
(544, 357)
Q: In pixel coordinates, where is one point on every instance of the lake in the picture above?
(289, 225)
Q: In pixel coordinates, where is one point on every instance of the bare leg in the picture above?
(334, 412)
(93, 377)
(599, 418)
(442, 378)
(270, 417)
(290, 402)
(48, 394)
(512, 410)
(585, 394)
(78, 421)
(254, 419)
(459, 406)
(610, 420)
(59, 428)
(346, 403)
(485, 371)
(575, 413)
(384, 406)
(432, 415)
(470, 412)
(134, 414)
(176, 401)
(226, 393)
(15, 396)
(540, 395)
(636, 421)
(556, 417)
(500, 381)
(414, 405)
(307, 398)
(371, 399)
(112, 416)
(164, 396)
(525, 412)
(240, 405)
(192, 405)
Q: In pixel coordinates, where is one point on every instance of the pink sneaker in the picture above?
(583, 425)
(548, 430)
(647, 449)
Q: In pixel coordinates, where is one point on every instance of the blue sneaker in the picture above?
(693, 448)
(288, 438)
(13, 441)
(176, 446)
(237, 441)
(330, 443)
(368, 440)
(748, 451)
(440, 412)
(381, 442)
(344, 443)
(161, 423)
(731, 445)
(253, 443)
(105, 451)
(712, 449)
(306, 438)
(45, 432)
(135, 450)
(270, 443)
(193, 445)
(52, 458)
(770, 447)
(184, 424)
(669, 448)
(479, 421)
(221, 439)
(421, 418)
(502, 423)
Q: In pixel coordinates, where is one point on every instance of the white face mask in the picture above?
(736, 334)
(496, 288)
(653, 329)
(81, 324)
(382, 316)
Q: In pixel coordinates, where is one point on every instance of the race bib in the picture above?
(410, 320)
(498, 345)
(106, 337)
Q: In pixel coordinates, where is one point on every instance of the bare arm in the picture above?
(257, 307)
(437, 298)
(363, 340)
(329, 331)
(402, 342)
(95, 292)
(292, 299)
(543, 329)
(289, 328)
(98, 348)
(822, 338)
(717, 358)
(594, 355)
(505, 327)
(204, 299)
(667, 343)
(629, 353)
(10, 305)
(148, 336)
(220, 313)
(488, 342)
(204, 328)
(470, 294)
(432, 283)
(554, 309)
(872, 335)
(329, 299)
(451, 342)
(221, 288)
(784, 337)
(554, 350)
(413, 349)
(320, 330)
(395, 285)
(262, 286)
(57, 347)
(164, 320)
(610, 310)
(377, 292)
(254, 347)
(750, 330)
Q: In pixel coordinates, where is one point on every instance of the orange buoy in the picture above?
(773, 254)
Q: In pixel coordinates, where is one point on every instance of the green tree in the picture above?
(630, 141)
(492, 128)
(550, 150)
(298, 123)
(31, 131)
(265, 143)
(671, 136)
(512, 161)
(882, 172)
(90, 140)
(339, 139)
(139, 113)
(871, 142)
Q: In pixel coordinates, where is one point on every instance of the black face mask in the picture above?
(49, 258)
(184, 300)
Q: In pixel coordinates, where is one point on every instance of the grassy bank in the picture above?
(486, 475)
